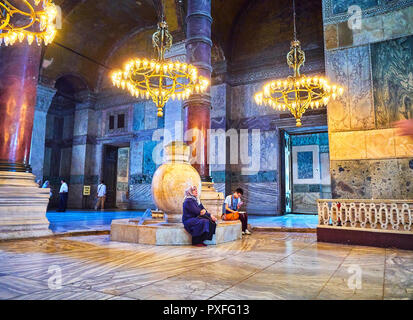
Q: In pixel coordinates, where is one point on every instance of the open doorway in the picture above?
(116, 175)
(306, 170)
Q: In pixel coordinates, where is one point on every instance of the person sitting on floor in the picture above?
(197, 221)
(232, 204)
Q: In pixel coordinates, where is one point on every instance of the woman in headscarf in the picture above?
(197, 221)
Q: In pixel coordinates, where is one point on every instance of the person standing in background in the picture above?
(63, 193)
(101, 195)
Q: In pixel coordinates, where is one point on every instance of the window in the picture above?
(121, 121)
(111, 122)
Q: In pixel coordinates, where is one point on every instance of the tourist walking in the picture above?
(63, 193)
(101, 196)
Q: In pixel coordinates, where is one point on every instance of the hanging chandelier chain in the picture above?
(294, 17)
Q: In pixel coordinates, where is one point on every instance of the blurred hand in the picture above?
(203, 211)
(214, 218)
(404, 127)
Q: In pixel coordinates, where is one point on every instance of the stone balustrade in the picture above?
(375, 214)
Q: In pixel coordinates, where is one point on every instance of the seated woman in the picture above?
(197, 221)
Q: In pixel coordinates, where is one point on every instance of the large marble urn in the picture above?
(172, 178)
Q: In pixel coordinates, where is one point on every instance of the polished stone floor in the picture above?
(277, 265)
(81, 220)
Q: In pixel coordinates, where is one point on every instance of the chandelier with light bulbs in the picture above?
(297, 93)
(17, 24)
(160, 79)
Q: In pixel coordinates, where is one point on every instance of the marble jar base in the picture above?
(212, 200)
(23, 207)
(168, 234)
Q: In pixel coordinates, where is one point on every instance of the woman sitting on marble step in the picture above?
(197, 221)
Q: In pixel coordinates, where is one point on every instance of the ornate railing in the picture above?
(366, 214)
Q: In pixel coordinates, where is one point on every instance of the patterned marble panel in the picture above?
(338, 111)
(260, 198)
(360, 91)
(392, 80)
(397, 23)
(305, 202)
(138, 116)
(219, 100)
(351, 179)
(140, 196)
(305, 165)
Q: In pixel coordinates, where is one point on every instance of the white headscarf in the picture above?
(190, 195)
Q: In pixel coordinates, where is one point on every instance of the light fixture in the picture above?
(30, 18)
(160, 79)
(297, 93)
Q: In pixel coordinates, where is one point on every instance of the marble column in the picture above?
(83, 169)
(22, 204)
(198, 52)
(198, 106)
(44, 99)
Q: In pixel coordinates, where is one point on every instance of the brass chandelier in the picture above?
(160, 79)
(29, 18)
(297, 93)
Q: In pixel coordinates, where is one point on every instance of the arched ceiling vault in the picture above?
(98, 33)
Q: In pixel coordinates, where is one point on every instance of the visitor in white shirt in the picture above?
(101, 195)
(63, 192)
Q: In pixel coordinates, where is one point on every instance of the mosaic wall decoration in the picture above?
(341, 6)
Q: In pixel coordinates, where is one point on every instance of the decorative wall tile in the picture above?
(392, 80)
(341, 6)
(305, 165)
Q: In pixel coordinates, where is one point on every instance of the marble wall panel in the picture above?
(348, 145)
(140, 196)
(351, 179)
(372, 30)
(78, 160)
(138, 116)
(392, 80)
(219, 100)
(359, 87)
(380, 144)
(136, 154)
(243, 104)
(65, 162)
(259, 198)
(397, 23)
(338, 111)
(151, 118)
(305, 202)
(403, 146)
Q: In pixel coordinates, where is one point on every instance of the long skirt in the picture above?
(205, 235)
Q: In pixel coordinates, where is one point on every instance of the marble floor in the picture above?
(277, 265)
(82, 220)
